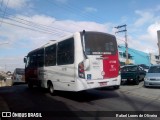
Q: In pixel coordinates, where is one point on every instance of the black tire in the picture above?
(136, 82)
(51, 88)
(116, 87)
(145, 86)
(30, 85)
(123, 82)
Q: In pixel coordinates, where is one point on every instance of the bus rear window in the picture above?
(99, 43)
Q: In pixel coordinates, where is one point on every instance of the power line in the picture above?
(35, 24)
(69, 8)
(26, 28)
(31, 25)
(1, 5)
(4, 12)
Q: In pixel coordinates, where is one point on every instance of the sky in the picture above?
(28, 24)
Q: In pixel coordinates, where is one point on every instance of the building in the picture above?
(122, 58)
(154, 59)
(135, 56)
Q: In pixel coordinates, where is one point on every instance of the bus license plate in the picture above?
(103, 83)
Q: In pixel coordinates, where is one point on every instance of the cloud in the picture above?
(151, 35)
(143, 31)
(145, 17)
(90, 9)
(16, 4)
(152, 30)
(10, 63)
(21, 40)
(155, 9)
(45, 24)
(148, 40)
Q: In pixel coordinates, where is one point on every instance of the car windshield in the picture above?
(20, 71)
(144, 66)
(154, 69)
(129, 68)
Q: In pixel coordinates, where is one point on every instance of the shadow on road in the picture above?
(88, 95)
(129, 83)
(152, 87)
(21, 100)
(82, 96)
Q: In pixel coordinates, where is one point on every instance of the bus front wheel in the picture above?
(30, 85)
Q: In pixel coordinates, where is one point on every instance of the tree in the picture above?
(2, 77)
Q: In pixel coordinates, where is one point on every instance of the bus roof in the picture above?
(66, 37)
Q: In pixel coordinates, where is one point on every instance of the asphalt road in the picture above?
(89, 105)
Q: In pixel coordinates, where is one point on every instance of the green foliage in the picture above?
(2, 77)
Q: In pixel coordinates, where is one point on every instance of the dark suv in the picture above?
(132, 73)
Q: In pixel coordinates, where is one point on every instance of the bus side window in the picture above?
(65, 53)
(32, 61)
(40, 58)
(50, 55)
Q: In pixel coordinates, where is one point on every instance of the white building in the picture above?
(155, 59)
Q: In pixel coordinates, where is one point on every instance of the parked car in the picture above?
(132, 73)
(18, 76)
(153, 76)
(145, 67)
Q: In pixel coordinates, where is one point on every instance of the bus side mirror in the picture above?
(86, 64)
(25, 60)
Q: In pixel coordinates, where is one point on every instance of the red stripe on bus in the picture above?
(110, 66)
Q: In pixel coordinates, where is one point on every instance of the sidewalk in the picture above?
(2, 83)
(3, 105)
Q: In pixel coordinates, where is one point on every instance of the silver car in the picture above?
(152, 78)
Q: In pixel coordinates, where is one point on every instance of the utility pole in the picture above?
(126, 43)
(158, 34)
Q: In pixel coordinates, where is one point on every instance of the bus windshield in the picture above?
(99, 43)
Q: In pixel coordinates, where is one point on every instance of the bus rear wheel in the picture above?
(116, 87)
(50, 88)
